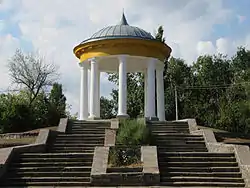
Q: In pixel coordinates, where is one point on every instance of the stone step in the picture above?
(166, 123)
(62, 182)
(162, 127)
(203, 174)
(86, 135)
(203, 184)
(82, 131)
(68, 139)
(56, 155)
(199, 164)
(94, 142)
(80, 144)
(186, 150)
(90, 122)
(184, 169)
(83, 138)
(51, 168)
(183, 135)
(40, 164)
(169, 128)
(177, 136)
(169, 131)
(197, 159)
(181, 149)
(90, 127)
(167, 145)
(70, 150)
(47, 159)
(48, 179)
(172, 142)
(49, 174)
(106, 125)
(198, 154)
(202, 179)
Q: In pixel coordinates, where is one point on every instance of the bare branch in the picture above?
(32, 71)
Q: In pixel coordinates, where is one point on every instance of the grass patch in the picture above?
(23, 139)
(4, 142)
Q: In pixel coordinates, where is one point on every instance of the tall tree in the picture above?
(58, 99)
(106, 108)
(56, 104)
(32, 71)
(159, 35)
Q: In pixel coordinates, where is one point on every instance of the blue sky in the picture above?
(192, 28)
(240, 22)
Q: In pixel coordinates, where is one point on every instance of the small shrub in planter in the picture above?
(120, 156)
(133, 133)
(130, 137)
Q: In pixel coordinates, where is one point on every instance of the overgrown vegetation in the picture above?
(131, 135)
(215, 89)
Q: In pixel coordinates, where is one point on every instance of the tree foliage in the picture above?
(215, 90)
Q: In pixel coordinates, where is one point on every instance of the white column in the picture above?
(145, 94)
(98, 95)
(151, 88)
(93, 88)
(160, 95)
(122, 94)
(83, 92)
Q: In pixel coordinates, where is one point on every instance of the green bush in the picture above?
(131, 135)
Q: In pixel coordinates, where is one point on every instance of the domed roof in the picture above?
(121, 30)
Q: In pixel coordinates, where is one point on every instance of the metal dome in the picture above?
(121, 30)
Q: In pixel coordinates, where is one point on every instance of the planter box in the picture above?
(148, 174)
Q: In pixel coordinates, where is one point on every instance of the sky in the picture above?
(54, 28)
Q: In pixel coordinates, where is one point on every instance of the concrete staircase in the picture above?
(67, 162)
(184, 160)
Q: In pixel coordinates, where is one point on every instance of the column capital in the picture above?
(152, 60)
(93, 60)
(122, 57)
(82, 64)
(160, 67)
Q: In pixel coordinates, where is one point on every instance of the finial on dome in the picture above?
(123, 20)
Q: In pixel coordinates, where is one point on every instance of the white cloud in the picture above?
(7, 44)
(55, 27)
(205, 47)
(2, 25)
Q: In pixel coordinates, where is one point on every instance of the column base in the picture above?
(152, 118)
(83, 119)
(93, 118)
(122, 116)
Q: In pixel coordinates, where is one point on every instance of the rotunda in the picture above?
(122, 48)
